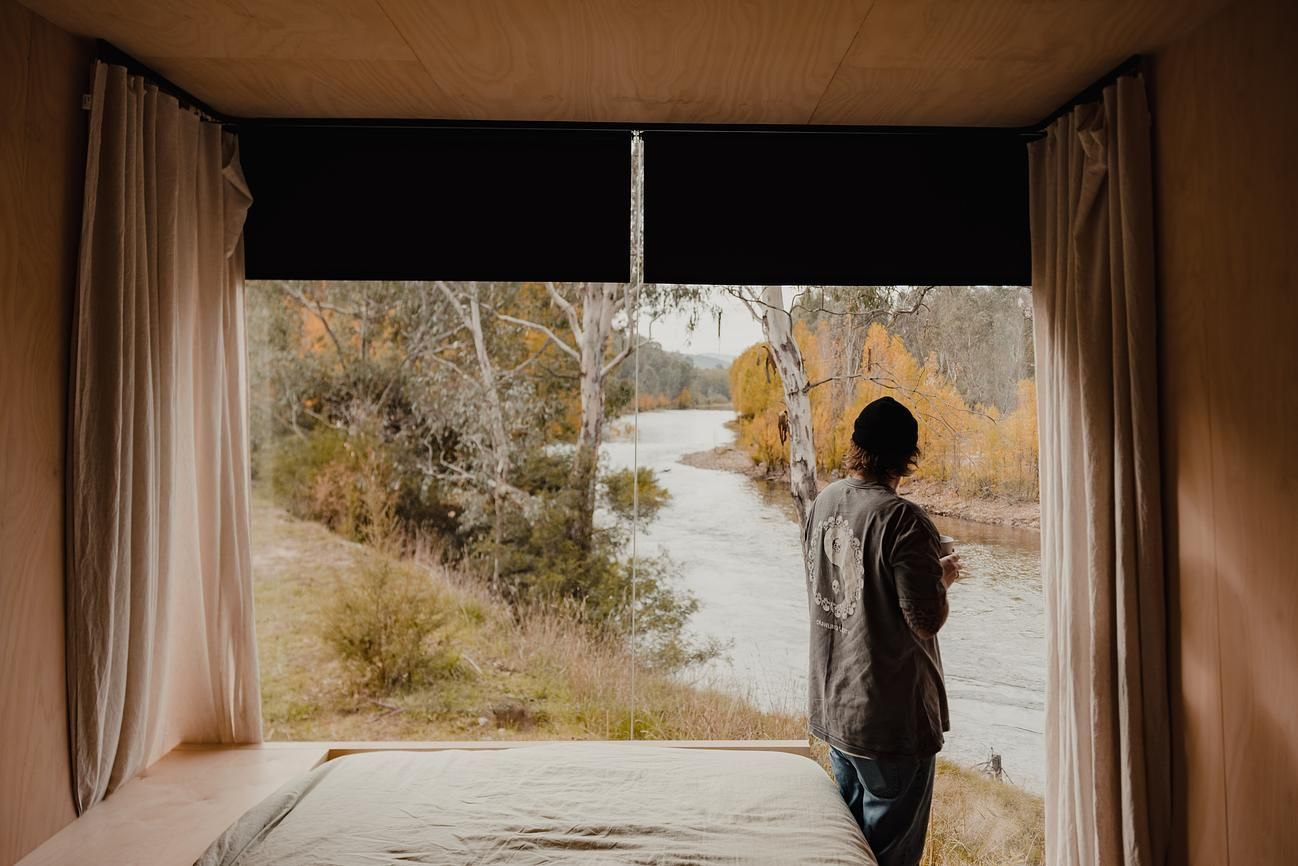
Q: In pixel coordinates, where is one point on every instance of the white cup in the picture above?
(947, 543)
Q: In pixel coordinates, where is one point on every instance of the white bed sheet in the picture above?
(580, 803)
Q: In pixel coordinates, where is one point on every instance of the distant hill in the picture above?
(711, 361)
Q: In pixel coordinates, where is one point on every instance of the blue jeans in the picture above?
(890, 798)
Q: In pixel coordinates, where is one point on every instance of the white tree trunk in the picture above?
(777, 326)
(500, 446)
(496, 425)
(599, 302)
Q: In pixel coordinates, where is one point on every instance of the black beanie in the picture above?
(886, 428)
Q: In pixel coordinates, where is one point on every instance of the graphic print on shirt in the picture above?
(834, 557)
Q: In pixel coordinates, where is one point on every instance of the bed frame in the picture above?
(171, 812)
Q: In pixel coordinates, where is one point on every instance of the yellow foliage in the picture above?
(650, 402)
(968, 447)
(754, 382)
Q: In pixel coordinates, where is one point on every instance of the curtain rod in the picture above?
(618, 126)
(1094, 91)
(111, 54)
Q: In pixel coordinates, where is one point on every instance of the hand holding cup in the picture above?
(950, 560)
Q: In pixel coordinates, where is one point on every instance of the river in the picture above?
(736, 546)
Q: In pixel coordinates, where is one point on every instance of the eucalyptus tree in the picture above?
(767, 305)
(778, 308)
(490, 410)
(592, 312)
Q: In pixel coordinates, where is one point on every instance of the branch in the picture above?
(433, 356)
(554, 338)
(417, 349)
(875, 314)
(620, 357)
(511, 373)
(805, 389)
(314, 309)
(520, 496)
(891, 383)
(574, 322)
(747, 302)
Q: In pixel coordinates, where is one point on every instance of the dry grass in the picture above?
(541, 677)
(978, 821)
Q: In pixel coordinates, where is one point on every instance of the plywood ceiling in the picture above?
(921, 62)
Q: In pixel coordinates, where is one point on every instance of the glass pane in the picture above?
(446, 510)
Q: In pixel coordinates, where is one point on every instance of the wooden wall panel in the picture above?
(43, 72)
(1226, 134)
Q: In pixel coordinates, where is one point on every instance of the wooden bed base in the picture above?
(170, 813)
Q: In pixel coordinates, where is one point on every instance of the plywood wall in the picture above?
(43, 71)
(1225, 103)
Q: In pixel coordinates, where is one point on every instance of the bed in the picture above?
(579, 803)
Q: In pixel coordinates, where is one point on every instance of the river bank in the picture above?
(936, 499)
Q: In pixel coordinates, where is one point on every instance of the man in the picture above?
(876, 586)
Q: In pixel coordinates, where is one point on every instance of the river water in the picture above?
(736, 545)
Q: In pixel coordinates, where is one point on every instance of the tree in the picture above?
(465, 300)
(591, 311)
(768, 307)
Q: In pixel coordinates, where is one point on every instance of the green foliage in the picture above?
(355, 484)
(619, 491)
(386, 625)
(370, 421)
(314, 477)
(543, 566)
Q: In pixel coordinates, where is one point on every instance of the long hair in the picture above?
(897, 464)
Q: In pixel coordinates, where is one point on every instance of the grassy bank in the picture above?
(535, 677)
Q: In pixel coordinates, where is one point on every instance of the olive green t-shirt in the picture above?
(875, 687)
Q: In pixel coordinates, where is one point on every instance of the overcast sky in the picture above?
(738, 329)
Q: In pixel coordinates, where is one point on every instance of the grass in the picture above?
(539, 677)
(978, 821)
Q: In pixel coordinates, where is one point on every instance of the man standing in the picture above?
(876, 588)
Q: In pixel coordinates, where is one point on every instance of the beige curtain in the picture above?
(1107, 745)
(160, 638)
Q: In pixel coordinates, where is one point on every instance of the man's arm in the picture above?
(922, 575)
(925, 618)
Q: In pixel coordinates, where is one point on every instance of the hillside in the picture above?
(711, 361)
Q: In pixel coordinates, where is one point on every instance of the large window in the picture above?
(458, 534)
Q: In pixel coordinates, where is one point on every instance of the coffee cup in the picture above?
(947, 544)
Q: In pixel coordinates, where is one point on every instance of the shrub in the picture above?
(308, 476)
(386, 624)
(355, 484)
(619, 493)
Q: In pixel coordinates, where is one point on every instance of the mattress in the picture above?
(579, 803)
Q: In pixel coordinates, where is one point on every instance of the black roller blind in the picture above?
(410, 202)
(836, 208)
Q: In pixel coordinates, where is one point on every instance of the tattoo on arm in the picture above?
(925, 618)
